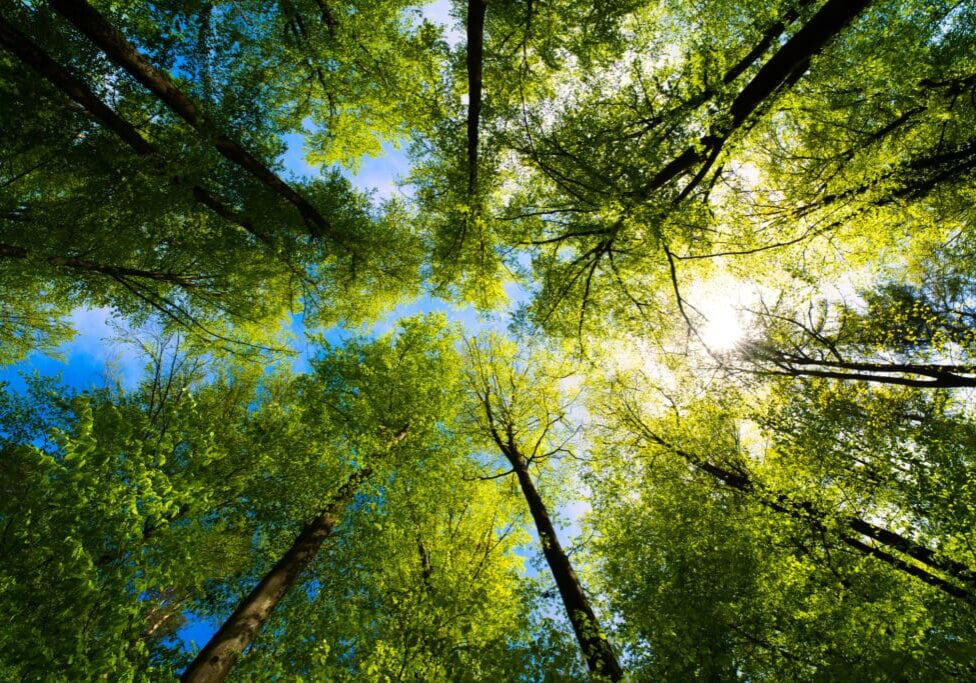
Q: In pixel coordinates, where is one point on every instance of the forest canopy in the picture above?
(651, 362)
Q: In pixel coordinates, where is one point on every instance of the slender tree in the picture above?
(514, 411)
(805, 512)
(710, 533)
(475, 25)
(391, 374)
(90, 22)
(217, 657)
(907, 335)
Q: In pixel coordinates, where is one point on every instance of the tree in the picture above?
(620, 204)
(422, 582)
(904, 333)
(719, 543)
(379, 417)
(154, 222)
(520, 411)
(116, 510)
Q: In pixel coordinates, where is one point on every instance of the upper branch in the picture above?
(101, 32)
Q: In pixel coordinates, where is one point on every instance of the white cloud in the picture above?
(294, 156)
(381, 174)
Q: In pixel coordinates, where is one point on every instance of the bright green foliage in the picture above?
(715, 583)
(171, 500)
(848, 150)
(84, 220)
(422, 578)
(911, 329)
(898, 456)
(529, 389)
(530, 51)
(421, 583)
(110, 510)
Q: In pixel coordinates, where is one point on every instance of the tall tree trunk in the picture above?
(117, 47)
(771, 34)
(795, 55)
(592, 641)
(939, 376)
(33, 56)
(218, 656)
(475, 25)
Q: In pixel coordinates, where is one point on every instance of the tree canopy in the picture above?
(694, 400)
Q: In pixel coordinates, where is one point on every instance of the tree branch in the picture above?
(115, 45)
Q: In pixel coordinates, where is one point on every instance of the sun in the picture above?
(724, 327)
(722, 302)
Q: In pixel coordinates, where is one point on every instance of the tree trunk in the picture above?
(592, 641)
(944, 381)
(30, 54)
(101, 32)
(475, 56)
(940, 376)
(769, 36)
(829, 20)
(218, 656)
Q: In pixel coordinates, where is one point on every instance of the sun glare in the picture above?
(721, 302)
(724, 328)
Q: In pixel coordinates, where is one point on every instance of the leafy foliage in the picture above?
(603, 487)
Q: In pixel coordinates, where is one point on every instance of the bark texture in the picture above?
(475, 25)
(592, 641)
(782, 69)
(218, 656)
(33, 56)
